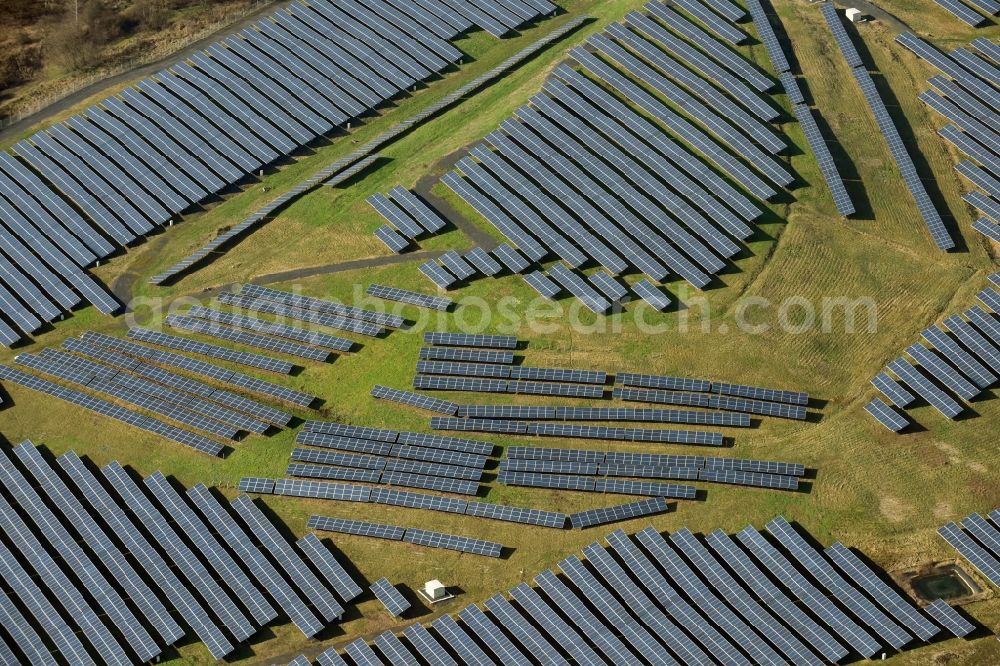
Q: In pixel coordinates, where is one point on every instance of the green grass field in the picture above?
(880, 493)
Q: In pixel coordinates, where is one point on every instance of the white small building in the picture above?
(855, 15)
(435, 591)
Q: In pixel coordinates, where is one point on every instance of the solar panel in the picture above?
(818, 603)
(466, 369)
(744, 478)
(461, 643)
(949, 618)
(646, 415)
(985, 322)
(482, 261)
(646, 290)
(390, 597)
(324, 561)
(545, 287)
(182, 556)
(725, 30)
(628, 511)
(892, 390)
(772, 597)
(978, 556)
(962, 12)
(848, 595)
(548, 466)
(40, 608)
(151, 561)
(491, 636)
(411, 297)
(394, 650)
(931, 217)
(942, 371)
(343, 443)
(357, 432)
(405, 224)
(434, 469)
(98, 541)
(454, 262)
(960, 358)
(724, 584)
(241, 337)
(758, 407)
(827, 165)
(554, 626)
(289, 562)
(355, 527)
(392, 240)
(214, 351)
(864, 577)
(969, 337)
(624, 487)
(663, 382)
(465, 355)
(427, 646)
(443, 484)
(510, 258)
(437, 274)
(414, 400)
(185, 437)
(448, 443)
(704, 598)
(469, 340)
(361, 654)
(90, 577)
(626, 434)
(555, 481)
(538, 453)
(700, 62)
(608, 286)
(928, 391)
(395, 497)
(259, 566)
(452, 542)
(500, 220)
(441, 383)
(844, 42)
(344, 492)
(574, 609)
(506, 412)
(547, 388)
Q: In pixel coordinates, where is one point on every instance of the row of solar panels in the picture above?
(968, 100)
(217, 569)
(929, 214)
(679, 599)
(472, 366)
(346, 168)
(964, 363)
(329, 429)
(817, 144)
(580, 176)
(974, 13)
(147, 378)
(408, 215)
(561, 475)
(134, 160)
(972, 102)
(536, 429)
(412, 535)
(404, 498)
(410, 297)
(978, 542)
(569, 469)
